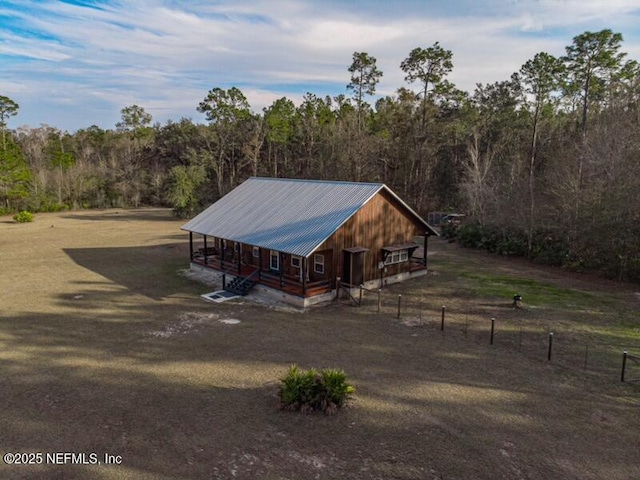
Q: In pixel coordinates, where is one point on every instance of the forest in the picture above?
(545, 164)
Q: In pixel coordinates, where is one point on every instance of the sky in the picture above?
(77, 63)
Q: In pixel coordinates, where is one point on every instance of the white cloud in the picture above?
(165, 55)
(335, 35)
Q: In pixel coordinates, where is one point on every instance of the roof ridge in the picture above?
(313, 180)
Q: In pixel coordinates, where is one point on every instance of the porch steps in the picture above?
(240, 285)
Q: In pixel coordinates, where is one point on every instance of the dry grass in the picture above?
(105, 348)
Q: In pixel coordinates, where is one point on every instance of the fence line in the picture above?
(542, 343)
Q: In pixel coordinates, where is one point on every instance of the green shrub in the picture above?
(449, 230)
(324, 390)
(23, 217)
(470, 235)
(551, 249)
(511, 243)
(52, 207)
(336, 387)
(547, 247)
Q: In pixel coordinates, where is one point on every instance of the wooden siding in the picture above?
(285, 263)
(381, 222)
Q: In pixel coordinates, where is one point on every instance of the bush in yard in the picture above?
(54, 207)
(23, 217)
(324, 390)
(470, 235)
(449, 230)
(511, 242)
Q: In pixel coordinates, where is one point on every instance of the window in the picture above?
(295, 261)
(318, 263)
(236, 247)
(274, 260)
(398, 256)
(256, 252)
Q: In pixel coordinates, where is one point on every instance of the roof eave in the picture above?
(428, 227)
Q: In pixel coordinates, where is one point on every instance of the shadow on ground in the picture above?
(147, 270)
(136, 215)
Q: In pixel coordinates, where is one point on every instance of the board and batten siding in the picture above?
(381, 222)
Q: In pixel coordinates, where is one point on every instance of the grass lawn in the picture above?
(105, 348)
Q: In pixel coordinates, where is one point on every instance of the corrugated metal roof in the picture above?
(291, 216)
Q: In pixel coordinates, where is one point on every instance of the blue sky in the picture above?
(75, 63)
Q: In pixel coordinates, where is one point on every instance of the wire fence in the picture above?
(594, 356)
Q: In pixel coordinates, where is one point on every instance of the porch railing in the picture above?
(293, 285)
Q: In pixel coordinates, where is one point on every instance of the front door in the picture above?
(353, 266)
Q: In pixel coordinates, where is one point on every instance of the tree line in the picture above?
(545, 163)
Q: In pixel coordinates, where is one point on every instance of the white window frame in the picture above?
(296, 261)
(256, 252)
(274, 254)
(399, 256)
(318, 263)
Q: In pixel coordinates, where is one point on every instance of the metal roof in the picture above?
(291, 216)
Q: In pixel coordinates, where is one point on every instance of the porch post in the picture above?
(205, 249)
(304, 276)
(364, 268)
(424, 251)
(223, 249)
(190, 246)
(259, 263)
(281, 268)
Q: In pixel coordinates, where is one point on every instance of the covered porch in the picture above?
(294, 275)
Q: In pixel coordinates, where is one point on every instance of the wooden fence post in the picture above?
(520, 340)
(586, 356)
(493, 326)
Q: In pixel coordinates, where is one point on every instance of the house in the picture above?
(300, 240)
